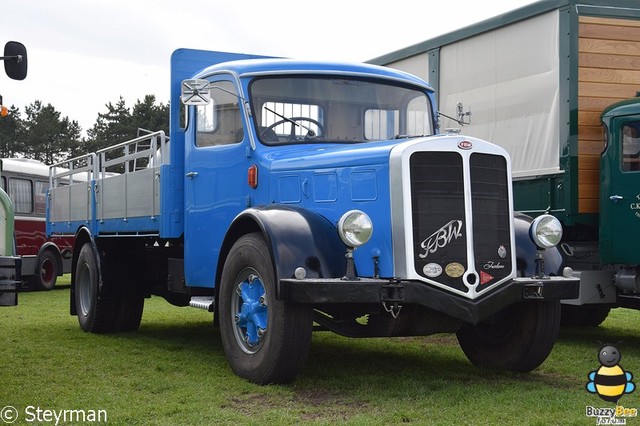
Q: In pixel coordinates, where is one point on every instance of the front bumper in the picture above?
(10, 281)
(400, 292)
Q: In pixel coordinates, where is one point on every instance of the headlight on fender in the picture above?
(355, 228)
(545, 231)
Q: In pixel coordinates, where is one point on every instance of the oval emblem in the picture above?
(465, 145)
(432, 270)
(502, 252)
(454, 270)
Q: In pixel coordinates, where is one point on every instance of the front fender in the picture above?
(526, 251)
(296, 238)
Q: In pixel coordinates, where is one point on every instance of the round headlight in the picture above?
(355, 228)
(546, 231)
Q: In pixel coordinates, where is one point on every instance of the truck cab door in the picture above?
(215, 179)
(620, 191)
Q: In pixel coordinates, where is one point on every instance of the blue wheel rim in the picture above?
(249, 310)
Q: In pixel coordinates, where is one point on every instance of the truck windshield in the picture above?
(290, 109)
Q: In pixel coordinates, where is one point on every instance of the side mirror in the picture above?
(15, 60)
(195, 92)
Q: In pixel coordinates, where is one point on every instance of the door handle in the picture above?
(616, 198)
(191, 175)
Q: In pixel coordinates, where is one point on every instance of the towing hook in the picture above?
(533, 291)
(393, 309)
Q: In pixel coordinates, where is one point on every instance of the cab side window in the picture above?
(631, 147)
(219, 122)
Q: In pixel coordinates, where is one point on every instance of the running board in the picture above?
(202, 302)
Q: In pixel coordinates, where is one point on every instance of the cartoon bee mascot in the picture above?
(610, 381)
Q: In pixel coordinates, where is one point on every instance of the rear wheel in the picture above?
(518, 338)
(46, 273)
(265, 340)
(96, 312)
(129, 313)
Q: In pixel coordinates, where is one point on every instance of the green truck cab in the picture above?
(620, 185)
(15, 65)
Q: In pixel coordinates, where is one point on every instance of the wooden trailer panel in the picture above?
(608, 72)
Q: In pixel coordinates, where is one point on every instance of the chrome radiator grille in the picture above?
(460, 242)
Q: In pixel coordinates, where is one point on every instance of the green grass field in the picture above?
(173, 372)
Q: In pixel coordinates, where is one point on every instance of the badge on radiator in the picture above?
(432, 270)
(454, 270)
(485, 278)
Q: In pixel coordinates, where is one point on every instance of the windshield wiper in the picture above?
(410, 136)
(309, 130)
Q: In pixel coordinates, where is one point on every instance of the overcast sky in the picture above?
(85, 53)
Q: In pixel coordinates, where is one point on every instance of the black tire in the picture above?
(96, 312)
(519, 338)
(281, 332)
(129, 313)
(584, 315)
(46, 273)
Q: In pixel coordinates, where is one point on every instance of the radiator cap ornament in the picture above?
(465, 145)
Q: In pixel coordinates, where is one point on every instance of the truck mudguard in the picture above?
(296, 237)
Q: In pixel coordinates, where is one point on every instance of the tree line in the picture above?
(45, 135)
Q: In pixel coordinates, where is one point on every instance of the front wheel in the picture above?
(519, 338)
(265, 340)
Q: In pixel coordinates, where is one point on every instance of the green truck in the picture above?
(556, 84)
(15, 66)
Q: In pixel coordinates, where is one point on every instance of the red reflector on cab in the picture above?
(253, 176)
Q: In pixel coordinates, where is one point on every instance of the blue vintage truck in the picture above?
(296, 195)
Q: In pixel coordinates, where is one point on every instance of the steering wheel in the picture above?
(292, 121)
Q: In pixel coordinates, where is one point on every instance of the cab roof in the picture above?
(277, 66)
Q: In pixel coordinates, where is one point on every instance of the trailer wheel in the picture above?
(96, 312)
(46, 273)
(584, 315)
(519, 338)
(265, 340)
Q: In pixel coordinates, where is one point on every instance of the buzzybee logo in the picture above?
(610, 382)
